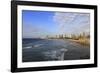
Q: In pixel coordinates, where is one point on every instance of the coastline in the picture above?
(54, 49)
(85, 42)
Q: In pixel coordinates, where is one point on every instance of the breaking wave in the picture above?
(37, 45)
(27, 47)
(33, 46)
(55, 54)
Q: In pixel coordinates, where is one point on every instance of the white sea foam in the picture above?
(56, 54)
(33, 46)
(27, 47)
(37, 45)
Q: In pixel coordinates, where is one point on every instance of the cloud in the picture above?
(72, 22)
(63, 18)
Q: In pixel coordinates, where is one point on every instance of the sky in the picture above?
(38, 24)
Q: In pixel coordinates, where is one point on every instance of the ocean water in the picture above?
(34, 50)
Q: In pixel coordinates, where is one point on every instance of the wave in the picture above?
(27, 47)
(37, 45)
(33, 46)
(55, 54)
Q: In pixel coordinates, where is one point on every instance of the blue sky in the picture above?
(42, 23)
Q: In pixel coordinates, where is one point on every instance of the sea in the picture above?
(36, 49)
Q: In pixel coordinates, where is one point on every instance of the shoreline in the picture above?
(85, 42)
(71, 51)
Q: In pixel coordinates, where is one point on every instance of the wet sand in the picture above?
(77, 51)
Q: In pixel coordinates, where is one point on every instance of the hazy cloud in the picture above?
(72, 22)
